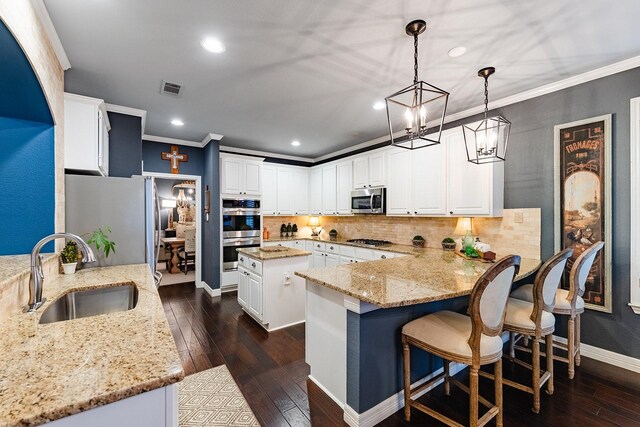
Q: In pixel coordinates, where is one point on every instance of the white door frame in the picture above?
(634, 301)
(197, 179)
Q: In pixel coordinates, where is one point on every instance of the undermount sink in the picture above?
(91, 302)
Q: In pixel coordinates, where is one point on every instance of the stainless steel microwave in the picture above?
(369, 201)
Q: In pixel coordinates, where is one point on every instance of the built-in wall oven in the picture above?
(241, 228)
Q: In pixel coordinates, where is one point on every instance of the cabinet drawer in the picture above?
(308, 245)
(317, 246)
(348, 251)
(298, 244)
(364, 254)
(252, 265)
(333, 248)
(383, 255)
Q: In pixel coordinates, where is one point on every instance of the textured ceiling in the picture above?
(311, 69)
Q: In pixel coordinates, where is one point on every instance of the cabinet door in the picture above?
(377, 171)
(468, 183)
(399, 188)
(360, 172)
(315, 192)
(269, 195)
(285, 196)
(255, 295)
(429, 181)
(232, 175)
(344, 178)
(251, 177)
(300, 190)
(329, 187)
(243, 287)
(319, 259)
(332, 260)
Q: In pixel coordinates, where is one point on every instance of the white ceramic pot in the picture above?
(69, 268)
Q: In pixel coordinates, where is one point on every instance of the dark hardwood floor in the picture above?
(271, 373)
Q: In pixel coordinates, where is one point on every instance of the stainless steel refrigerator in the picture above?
(128, 206)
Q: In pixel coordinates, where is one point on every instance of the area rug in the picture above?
(211, 398)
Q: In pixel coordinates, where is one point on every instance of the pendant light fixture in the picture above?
(486, 141)
(411, 109)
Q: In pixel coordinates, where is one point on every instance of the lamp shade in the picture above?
(314, 221)
(168, 203)
(464, 225)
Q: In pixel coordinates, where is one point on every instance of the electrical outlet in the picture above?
(518, 218)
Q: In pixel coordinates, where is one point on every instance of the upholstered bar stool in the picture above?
(473, 340)
(534, 319)
(569, 303)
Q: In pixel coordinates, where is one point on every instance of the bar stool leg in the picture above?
(535, 372)
(549, 351)
(497, 379)
(577, 341)
(407, 380)
(473, 396)
(571, 333)
(512, 344)
(447, 384)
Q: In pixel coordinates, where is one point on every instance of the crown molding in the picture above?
(174, 141)
(211, 137)
(236, 150)
(129, 112)
(52, 34)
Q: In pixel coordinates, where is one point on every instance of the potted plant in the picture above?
(448, 244)
(100, 239)
(418, 241)
(289, 230)
(294, 229)
(333, 234)
(69, 257)
(283, 230)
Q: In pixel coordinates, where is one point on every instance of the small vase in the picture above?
(69, 268)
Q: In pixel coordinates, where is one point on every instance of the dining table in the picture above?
(174, 243)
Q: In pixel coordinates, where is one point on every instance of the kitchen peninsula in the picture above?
(359, 309)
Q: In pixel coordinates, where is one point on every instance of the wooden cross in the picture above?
(175, 158)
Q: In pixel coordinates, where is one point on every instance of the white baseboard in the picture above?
(327, 392)
(212, 292)
(606, 356)
(394, 403)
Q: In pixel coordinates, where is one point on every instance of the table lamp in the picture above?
(314, 223)
(170, 205)
(466, 230)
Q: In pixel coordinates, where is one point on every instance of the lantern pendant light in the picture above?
(410, 110)
(486, 141)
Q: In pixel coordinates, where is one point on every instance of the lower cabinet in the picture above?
(243, 287)
(255, 295)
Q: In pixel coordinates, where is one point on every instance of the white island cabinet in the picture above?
(268, 290)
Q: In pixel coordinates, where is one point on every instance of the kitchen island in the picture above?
(358, 310)
(113, 369)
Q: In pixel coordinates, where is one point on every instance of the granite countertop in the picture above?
(401, 249)
(431, 275)
(14, 267)
(256, 253)
(54, 370)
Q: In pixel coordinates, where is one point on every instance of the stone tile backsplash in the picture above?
(504, 234)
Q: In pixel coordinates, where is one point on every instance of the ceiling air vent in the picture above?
(171, 89)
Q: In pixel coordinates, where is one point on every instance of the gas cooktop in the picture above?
(370, 242)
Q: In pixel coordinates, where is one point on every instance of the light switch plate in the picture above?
(518, 218)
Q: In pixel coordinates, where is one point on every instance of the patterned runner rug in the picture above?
(212, 398)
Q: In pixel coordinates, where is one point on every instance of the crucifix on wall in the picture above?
(175, 158)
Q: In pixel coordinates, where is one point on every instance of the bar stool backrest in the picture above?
(580, 271)
(548, 279)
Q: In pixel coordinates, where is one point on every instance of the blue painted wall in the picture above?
(27, 183)
(125, 149)
(211, 238)
(152, 158)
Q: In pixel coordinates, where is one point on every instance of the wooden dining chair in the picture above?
(535, 320)
(474, 340)
(569, 303)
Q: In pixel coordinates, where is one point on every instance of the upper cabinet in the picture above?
(86, 135)
(344, 174)
(369, 170)
(315, 191)
(240, 175)
(329, 186)
(285, 190)
(300, 191)
(269, 201)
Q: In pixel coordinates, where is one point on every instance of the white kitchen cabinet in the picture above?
(344, 171)
(329, 187)
(473, 190)
(369, 170)
(315, 191)
(332, 260)
(429, 183)
(86, 135)
(284, 191)
(255, 295)
(300, 191)
(269, 193)
(240, 175)
(319, 259)
(399, 200)
(243, 287)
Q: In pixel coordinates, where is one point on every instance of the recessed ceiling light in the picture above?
(213, 45)
(379, 105)
(457, 51)
(295, 143)
(177, 122)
